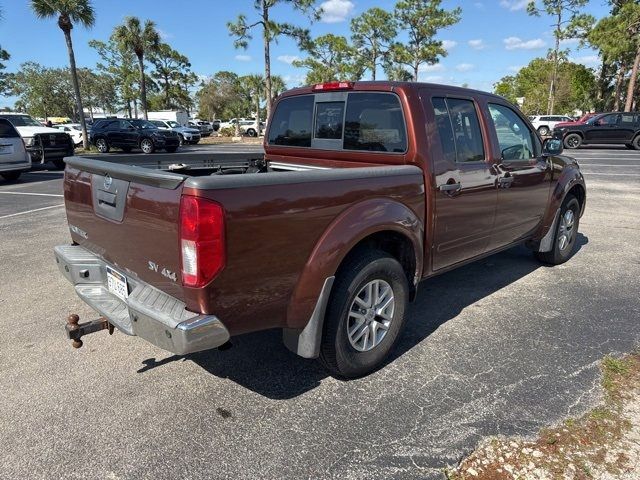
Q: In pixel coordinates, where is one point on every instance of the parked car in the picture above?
(42, 143)
(14, 158)
(128, 133)
(616, 128)
(74, 130)
(579, 121)
(355, 202)
(216, 124)
(185, 134)
(248, 126)
(206, 128)
(546, 123)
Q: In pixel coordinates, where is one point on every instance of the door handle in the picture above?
(505, 182)
(450, 187)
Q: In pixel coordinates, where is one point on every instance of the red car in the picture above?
(581, 121)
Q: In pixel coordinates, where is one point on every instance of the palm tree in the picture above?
(69, 12)
(132, 36)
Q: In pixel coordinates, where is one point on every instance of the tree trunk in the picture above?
(135, 108)
(416, 67)
(76, 88)
(619, 82)
(632, 82)
(554, 74)
(603, 84)
(258, 113)
(374, 57)
(267, 57)
(143, 87)
(129, 108)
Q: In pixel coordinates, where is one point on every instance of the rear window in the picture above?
(291, 123)
(7, 130)
(368, 122)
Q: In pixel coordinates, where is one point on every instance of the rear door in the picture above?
(466, 196)
(11, 147)
(524, 176)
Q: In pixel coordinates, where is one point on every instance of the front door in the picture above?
(524, 176)
(465, 193)
(604, 130)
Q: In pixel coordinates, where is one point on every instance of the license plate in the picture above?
(6, 148)
(117, 283)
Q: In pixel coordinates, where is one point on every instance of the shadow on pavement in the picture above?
(260, 362)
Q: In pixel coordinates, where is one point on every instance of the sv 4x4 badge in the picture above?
(153, 266)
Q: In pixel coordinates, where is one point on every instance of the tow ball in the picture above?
(76, 330)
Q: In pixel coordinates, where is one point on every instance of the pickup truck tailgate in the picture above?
(129, 217)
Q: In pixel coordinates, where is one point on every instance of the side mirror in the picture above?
(552, 146)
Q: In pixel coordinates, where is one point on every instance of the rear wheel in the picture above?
(573, 140)
(564, 239)
(251, 132)
(544, 131)
(102, 145)
(11, 176)
(146, 145)
(365, 315)
(636, 142)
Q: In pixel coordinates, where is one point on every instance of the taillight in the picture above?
(329, 86)
(202, 242)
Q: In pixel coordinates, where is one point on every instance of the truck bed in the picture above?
(275, 216)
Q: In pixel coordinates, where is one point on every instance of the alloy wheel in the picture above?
(566, 230)
(370, 315)
(146, 145)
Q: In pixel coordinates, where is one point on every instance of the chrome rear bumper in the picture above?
(147, 312)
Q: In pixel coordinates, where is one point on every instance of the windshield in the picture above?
(22, 120)
(143, 124)
(173, 124)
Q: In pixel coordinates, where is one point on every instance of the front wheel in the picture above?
(102, 145)
(543, 131)
(252, 133)
(147, 146)
(365, 314)
(636, 142)
(564, 239)
(11, 176)
(573, 140)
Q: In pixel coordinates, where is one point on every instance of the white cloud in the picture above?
(288, 58)
(448, 44)
(516, 43)
(436, 67)
(587, 60)
(335, 11)
(479, 5)
(477, 44)
(514, 5)
(243, 58)
(465, 67)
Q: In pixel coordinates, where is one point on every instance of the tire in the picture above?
(573, 140)
(147, 146)
(544, 131)
(11, 176)
(171, 149)
(59, 164)
(352, 357)
(563, 251)
(251, 132)
(181, 138)
(636, 142)
(102, 145)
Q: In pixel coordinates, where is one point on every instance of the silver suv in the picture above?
(187, 134)
(14, 158)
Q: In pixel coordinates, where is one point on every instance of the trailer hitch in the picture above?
(76, 330)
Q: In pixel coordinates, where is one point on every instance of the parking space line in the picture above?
(31, 211)
(607, 165)
(33, 194)
(613, 174)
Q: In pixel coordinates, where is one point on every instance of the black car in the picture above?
(129, 133)
(616, 128)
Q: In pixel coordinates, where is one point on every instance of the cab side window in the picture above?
(516, 141)
(458, 129)
(609, 119)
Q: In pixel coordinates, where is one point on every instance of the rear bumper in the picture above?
(148, 312)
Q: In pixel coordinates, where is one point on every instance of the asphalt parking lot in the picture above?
(503, 346)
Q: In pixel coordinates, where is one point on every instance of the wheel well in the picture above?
(578, 192)
(395, 244)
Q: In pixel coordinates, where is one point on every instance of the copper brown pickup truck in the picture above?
(364, 190)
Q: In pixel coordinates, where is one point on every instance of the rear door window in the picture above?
(292, 122)
(457, 119)
(374, 122)
(7, 130)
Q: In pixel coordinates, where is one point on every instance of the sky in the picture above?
(494, 37)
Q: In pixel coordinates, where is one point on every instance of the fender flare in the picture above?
(305, 312)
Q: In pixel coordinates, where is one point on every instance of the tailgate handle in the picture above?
(106, 197)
